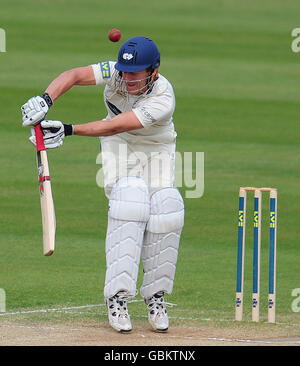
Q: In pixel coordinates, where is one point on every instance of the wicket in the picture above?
(256, 252)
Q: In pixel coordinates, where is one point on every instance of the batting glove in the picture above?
(35, 109)
(54, 133)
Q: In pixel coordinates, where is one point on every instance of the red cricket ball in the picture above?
(114, 35)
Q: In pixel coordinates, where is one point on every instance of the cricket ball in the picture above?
(114, 35)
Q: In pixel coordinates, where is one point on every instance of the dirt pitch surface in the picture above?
(94, 333)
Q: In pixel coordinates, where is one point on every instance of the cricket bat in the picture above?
(47, 204)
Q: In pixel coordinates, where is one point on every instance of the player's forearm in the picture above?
(69, 78)
(98, 128)
(126, 121)
(61, 84)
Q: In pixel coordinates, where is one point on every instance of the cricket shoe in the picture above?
(157, 312)
(118, 315)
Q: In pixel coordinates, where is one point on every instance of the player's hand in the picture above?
(54, 133)
(35, 109)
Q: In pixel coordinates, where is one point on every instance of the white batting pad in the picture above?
(161, 241)
(129, 211)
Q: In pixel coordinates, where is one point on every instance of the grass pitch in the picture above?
(236, 81)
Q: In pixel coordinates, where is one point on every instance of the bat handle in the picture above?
(40, 145)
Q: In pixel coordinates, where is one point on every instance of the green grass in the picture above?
(237, 86)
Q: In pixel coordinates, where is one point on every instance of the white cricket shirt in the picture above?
(147, 152)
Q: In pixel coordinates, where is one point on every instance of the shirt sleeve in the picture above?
(103, 72)
(158, 109)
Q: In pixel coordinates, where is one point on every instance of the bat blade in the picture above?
(47, 204)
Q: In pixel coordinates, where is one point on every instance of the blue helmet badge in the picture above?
(138, 53)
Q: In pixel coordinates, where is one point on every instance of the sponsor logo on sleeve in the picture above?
(147, 114)
(105, 69)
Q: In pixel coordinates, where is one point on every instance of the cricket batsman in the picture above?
(137, 137)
